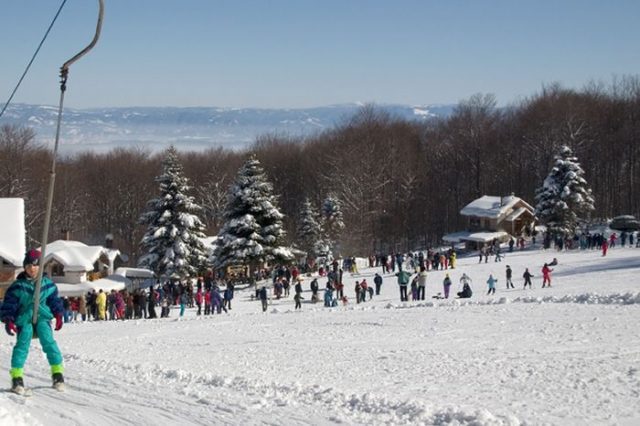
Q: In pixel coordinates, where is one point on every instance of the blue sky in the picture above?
(292, 54)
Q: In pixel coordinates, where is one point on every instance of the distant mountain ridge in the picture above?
(188, 128)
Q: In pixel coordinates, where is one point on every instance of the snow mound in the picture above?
(11, 415)
(587, 299)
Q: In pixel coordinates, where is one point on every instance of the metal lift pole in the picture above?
(64, 73)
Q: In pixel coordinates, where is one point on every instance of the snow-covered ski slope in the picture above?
(568, 355)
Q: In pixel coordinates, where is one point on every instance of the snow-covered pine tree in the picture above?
(252, 231)
(310, 236)
(172, 243)
(333, 222)
(565, 197)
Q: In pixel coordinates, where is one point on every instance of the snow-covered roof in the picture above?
(77, 256)
(492, 206)
(484, 237)
(455, 237)
(515, 214)
(134, 272)
(12, 231)
(480, 237)
(112, 282)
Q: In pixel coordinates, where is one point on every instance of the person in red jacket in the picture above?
(605, 246)
(546, 276)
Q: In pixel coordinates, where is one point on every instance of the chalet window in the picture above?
(57, 269)
(474, 222)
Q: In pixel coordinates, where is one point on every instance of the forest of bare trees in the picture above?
(401, 183)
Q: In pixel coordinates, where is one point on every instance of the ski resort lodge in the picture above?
(493, 217)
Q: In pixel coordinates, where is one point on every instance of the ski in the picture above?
(22, 391)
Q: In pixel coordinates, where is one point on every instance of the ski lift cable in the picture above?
(46, 34)
(64, 74)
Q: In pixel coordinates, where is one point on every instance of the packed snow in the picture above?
(565, 355)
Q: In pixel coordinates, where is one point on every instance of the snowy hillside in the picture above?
(188, 128)
(565, 355)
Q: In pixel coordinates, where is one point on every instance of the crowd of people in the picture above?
(156, 301)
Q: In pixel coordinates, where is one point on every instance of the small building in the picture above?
(73, 262)
(12, 240)
(493, 218)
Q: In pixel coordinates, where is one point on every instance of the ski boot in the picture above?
(58, 381)
(17, 386)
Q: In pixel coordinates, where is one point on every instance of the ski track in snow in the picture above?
(568, 355)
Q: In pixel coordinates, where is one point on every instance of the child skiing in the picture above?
(546, 275)
(16, 313)
(491, 282)
(527, 278)
(447, 285)
(509, 274)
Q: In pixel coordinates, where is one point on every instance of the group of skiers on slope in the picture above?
(589, 241)
(418, 283)
(263, 294)
(431, 260)
(546, 277)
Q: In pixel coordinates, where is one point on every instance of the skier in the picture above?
(452, 259)
(466, 287)
(101, 303)
(604, 246)
(227, 296)
(414, 288)
(207, 301)
(298, 290)
(377, 280)
(199, 299)
(183, 303)
(16, 313)
(527, 277)
(422, 283)
(328, 297)
(509, 273)
(262, 294)
(546, 275)
(364, 289)
(403, 281)
(314, 290)
(216, 301)
(446, 284)
(491, 282)
(296, 298)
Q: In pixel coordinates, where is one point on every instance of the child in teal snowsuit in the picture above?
(17, 312)
(491, 282)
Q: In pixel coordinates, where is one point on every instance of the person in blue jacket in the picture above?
(17, 313)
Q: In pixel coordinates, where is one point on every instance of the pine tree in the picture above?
(565, 197)
(310, 231)
(333, 219)
(172, 242)
(252, 231)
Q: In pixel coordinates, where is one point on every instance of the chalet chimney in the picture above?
(108, 241)
(65, 234)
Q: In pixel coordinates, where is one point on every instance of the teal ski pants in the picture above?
(23, 342)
